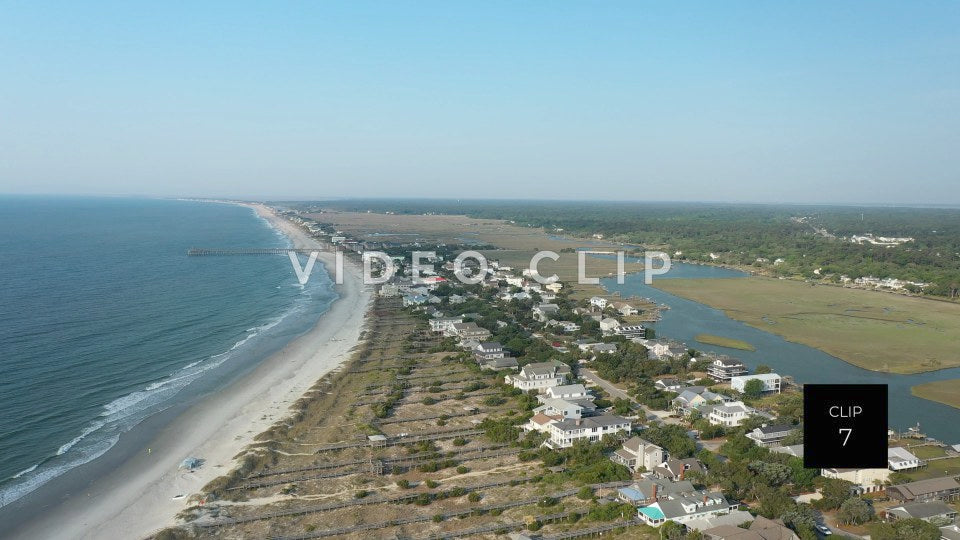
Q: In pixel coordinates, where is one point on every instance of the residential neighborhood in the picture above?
(701, 444)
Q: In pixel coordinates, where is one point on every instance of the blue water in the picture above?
(105, 320)
(686, 318)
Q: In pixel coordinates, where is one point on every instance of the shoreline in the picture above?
(135, 499)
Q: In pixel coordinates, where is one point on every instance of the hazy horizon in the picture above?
(841, 104)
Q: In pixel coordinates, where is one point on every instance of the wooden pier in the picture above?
(200, 252)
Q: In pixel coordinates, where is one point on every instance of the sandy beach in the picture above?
(143, 494)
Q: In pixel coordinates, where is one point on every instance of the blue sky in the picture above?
(720, 101)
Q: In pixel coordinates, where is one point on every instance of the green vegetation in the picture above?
(584, 462)
(753, 389)
(881, 332)
(804, 238)
(940, 467)
(905, 529)
(940, 391)
(721, 341)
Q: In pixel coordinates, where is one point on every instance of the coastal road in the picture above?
(656, 417)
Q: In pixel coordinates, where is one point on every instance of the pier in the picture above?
(200, 252)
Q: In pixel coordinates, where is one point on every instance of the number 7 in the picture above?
(847, 438)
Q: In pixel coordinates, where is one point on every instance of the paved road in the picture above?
(656, 417)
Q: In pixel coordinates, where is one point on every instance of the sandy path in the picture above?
(137, 498)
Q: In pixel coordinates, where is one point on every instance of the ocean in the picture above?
(105, 320)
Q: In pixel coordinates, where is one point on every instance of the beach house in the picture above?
(770, 381)
(723, 368)
(564, 433)
(638, 454)
(770, 435)
(730, 414)
(539, 376)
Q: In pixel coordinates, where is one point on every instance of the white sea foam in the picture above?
(125, 412)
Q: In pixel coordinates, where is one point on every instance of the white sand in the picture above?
(136, 500)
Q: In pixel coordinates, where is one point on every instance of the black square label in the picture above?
(845, 426)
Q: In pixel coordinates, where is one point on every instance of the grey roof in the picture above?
(672, 508)
(546, 368)
(776, 428)
(727, 361)
(922, 510)
(505, 362)
(672, 467)
(664, 487)
(635, 443)
(950, 532)
(923, 487)
(686, 396)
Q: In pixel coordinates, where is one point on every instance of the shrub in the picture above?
(459, 441)
(493, 401)
(432, 483)
(361, 494)
(403, 483)
(474, 497)
(463, 469)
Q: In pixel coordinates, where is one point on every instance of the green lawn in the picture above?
(927, 451)
(940, 467)
(873, 330)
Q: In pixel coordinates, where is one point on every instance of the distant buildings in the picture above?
(864, 480)
(444, 324)
(724, 368)
(567, 391)
(489, 350)
(564, 433)
(539, 376)
(638, 454)
(932, 512)
(668, 384)
(664, 349)
(901, 459)
(609, 325)
(730, 414)
(685, 507)
(770, 435)
(650, 490)
(469, 331)
(697, 398)
(625, 309)
(760, 528)
(543, 312)
(942, 489)
(677, 469)
(496, 364)
(631, 331)
(770, 381)
(598, 302)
